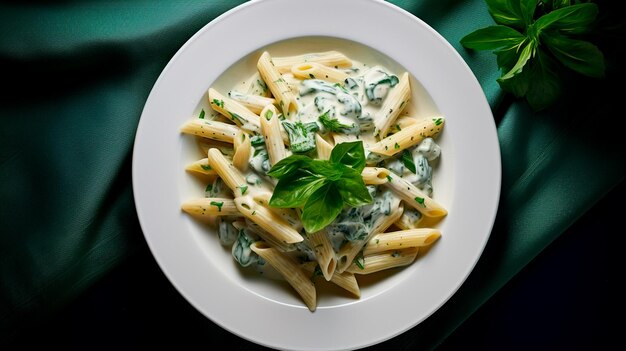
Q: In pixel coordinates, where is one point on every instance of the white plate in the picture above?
(467, 179)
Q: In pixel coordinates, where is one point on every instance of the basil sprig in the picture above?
(321, 188)
(533, 40)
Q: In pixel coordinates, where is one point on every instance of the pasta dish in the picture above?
(317, 169)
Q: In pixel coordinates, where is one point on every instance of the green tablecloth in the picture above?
(76, 76)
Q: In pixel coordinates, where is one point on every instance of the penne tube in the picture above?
(410, 219)
(345, 280)
(414, 197)
(201, 167)
(314, 70)
(243, 149)
(401, 123)
(285, 98)
(324, 252)
(254, 103)
(328, 58)
(290, 270)
(210, 129)
(212, 206)
(324, 148)
(226, 171)
(270, 128)
(375, 175)
(268, 220)
(288, 214)
(384, 260)
(398, 97)
(234, 111)
(409, 136)
(205, 144)
(401, 239)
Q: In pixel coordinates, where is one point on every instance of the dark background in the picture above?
(563, 299)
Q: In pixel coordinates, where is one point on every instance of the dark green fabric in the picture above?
(82, 72)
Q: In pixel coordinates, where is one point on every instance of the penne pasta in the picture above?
(384, 260)
(314, 70)
(270, 128)
(328, 58)
(201, 167)
(324, 253)
(277, 85)
(345, 280)
(409, 136)
(211, 207)
(375, 175)
(234, 111)
(398, 97)
(280, 229)
(290, 270)
(254, 103)
(243, 150)
(211, 130)
(402, 239)
(227, 172)
(414, 197)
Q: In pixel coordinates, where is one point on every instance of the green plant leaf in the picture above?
(506, 12)
(578, 55)
(321, 208)
(572, 19)
(350, 154)
(545, 87)
(288, 165)
(353, 190)
(295, 189)
(527, 8)
(407, 160)
(492, 38)
(524, 56)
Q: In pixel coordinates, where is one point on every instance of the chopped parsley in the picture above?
(420, 200)
(218, 103)
(201, 116)
(218, 204)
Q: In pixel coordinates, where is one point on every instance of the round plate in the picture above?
(467, 178)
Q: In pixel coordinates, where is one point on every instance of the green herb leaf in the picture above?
(333, 125)
(578, 55)
(322, 188)
(407, 160)
(574, 19)
(492, 38)
(218, 204)
(288, 165)
(352, 189)
(506, 12)
(295, 189)
(321, 208)
(532, 38)
(350, 154)
(202, 113)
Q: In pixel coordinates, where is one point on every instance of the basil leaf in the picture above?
(294, 190)
(492, 38)
(557, 4)
(578, 55)
(322, 207)
(407, 160)
(545, 88)
(527, 8)
(288, 165)
(326, 169)
(353, 190)
(572, 19)
(525, 55)
(350, 154)
(506, 12)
